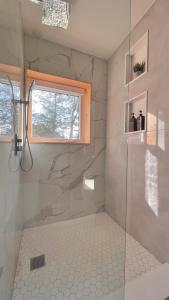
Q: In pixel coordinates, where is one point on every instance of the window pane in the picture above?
(8, 112)
(55, 114)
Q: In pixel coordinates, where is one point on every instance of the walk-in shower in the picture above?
(83, 174)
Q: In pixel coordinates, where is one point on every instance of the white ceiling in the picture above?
(96, 27)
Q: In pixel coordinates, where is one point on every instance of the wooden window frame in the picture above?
(14, 71)
(85, 106)
(64, 82)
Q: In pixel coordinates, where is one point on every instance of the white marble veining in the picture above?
(85, 259)
(55, 188)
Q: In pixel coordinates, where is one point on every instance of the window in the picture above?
(9, 114)
(59, 110)
(55, 114)
(7, 120)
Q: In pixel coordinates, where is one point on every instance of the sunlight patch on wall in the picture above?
(152, 122)
(89, 184)
(151, 182)
(152, 128)
(161, 132)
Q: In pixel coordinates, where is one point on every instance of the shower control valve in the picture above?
(17, 146)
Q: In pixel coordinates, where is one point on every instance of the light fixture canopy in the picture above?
(37, 1)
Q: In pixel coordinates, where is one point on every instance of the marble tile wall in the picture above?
(148, 174)
(55, 189)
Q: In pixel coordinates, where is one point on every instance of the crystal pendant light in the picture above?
(56, 13)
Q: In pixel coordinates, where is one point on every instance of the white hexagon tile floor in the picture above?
(84, 260)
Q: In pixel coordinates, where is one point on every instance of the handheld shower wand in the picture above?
(25, 133)
(15, 146)
(18, 144)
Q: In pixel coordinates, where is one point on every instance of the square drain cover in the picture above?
(37, 262)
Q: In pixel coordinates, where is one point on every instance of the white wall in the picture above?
(145, 164)
(138, 10)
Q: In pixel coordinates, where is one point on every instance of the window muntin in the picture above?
(56, 114)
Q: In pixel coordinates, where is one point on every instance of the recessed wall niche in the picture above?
(133, 108)
(136, 60)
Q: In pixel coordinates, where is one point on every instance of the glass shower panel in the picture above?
(112, 151)
(116, 169)
(148, 168)
(11, 209)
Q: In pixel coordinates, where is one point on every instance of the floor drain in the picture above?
(167, 298)
(37, 262)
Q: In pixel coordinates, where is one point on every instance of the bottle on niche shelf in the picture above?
(132, 123)
(141, 122)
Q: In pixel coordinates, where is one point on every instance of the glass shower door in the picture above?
(116, 155)
(11, 213)
(148, 163)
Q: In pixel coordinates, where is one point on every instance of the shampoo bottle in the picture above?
(132, 123)
(141, 121)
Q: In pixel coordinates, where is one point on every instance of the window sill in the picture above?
(5, 139)
(55, 141)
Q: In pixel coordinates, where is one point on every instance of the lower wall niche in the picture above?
(136, 114)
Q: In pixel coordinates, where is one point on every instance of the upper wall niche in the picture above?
(136, 60)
